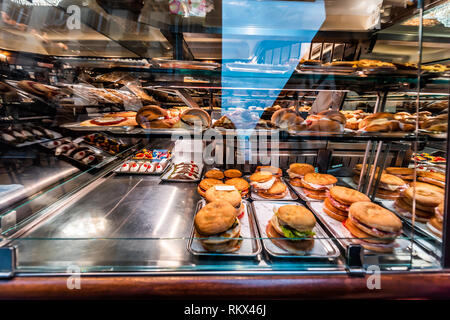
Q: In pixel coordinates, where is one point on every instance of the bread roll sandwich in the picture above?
(315, 185)
(297, 171)
(152, 116)
(217, 227)
(291, 228)
(390, 187)
(226, 193)
(338, 201)
(268, 186)
(426, 197)
(375, 227)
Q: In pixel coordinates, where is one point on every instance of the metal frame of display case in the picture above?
(33, 284)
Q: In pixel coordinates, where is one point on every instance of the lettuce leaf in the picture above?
(292, 233)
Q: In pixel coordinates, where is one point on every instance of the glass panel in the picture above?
(314, 106)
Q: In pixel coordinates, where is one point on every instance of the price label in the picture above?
(225, 188)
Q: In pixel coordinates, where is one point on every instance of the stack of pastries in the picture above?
(231, 177)
(426, 196)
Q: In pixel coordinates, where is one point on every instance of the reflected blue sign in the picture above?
(262, 43)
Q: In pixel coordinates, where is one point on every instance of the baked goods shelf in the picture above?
(281, 134)
(313, 81)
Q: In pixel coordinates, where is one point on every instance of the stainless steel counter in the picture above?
(131, 223)
(25, 172)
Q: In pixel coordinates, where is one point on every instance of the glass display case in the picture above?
(224, 138)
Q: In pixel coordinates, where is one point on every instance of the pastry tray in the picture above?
(291, 195)
(400, 255)
(324, 248)
(326, 69)
(165, 176)
(299, 191)
(57, 136)
(44, 144)
(117, 170)
(251, 243)
(107, 158)
(75, 126)
(120, 141)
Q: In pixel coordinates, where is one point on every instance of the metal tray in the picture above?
(299, 191)
(166, 175)
(434, 134)
(289, 197)
(117, 170)
(45, 143)
(251, 243)
(107, 158)
(320, 68)
(57, 136)
(324, 248)
(125, 146)
(75, 126)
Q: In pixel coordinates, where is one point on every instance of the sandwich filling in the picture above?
(317, 186)
(264, 185)
(392, 187)
(379, 233)
(288, 231)
(294, 175)
(232, 232)
(337, 204)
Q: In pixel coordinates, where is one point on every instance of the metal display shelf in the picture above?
(282, 135)
(298, 81)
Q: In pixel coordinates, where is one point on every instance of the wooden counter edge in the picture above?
(406, 286)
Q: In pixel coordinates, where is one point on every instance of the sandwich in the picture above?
(297, 171)
(195, 117)
(406, 174)
(273, 170)
(207, 183)
(315, 185)
(226, 193)
(232, 173)
(390, 187)
(338, 201)
(427, 198)
(436, 178)
(241, 185)
(288, 119)
(291, 228)
(326, 121)
(153, 116)
(217, 227)
(375, 227)
(268, 186)
(379, 122)
(214, 174)
(435, 223)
